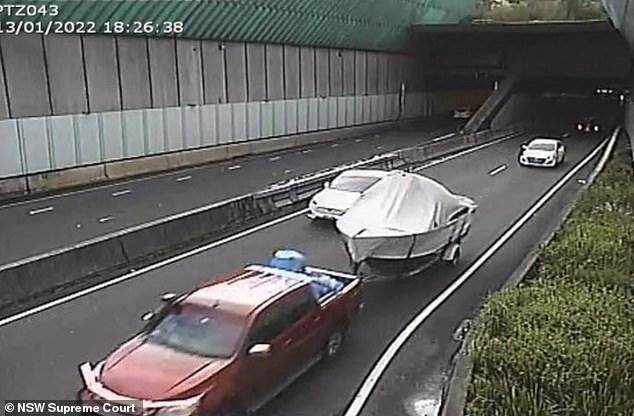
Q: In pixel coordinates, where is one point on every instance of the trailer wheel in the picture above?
(455, 259)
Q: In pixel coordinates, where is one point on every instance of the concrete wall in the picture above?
(69, 101)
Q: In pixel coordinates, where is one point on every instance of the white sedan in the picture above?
(543, 152)
(337, 197)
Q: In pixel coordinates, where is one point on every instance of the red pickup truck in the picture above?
(228, 347)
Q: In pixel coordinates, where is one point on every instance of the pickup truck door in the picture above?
(263, 376)
(308, 331)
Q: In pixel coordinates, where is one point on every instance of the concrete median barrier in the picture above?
(58, 271)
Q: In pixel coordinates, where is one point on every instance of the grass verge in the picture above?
(562, 342)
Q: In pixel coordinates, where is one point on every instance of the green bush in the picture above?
(562, 343)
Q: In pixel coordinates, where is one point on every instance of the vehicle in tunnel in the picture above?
(588, 125)
(231, 345)
(542, 152)
(404, 224)
(462, 113)
(339, 195)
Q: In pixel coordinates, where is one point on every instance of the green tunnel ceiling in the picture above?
(358, 24)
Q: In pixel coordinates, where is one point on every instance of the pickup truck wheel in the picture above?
(334, 343)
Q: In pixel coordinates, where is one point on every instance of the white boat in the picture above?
(404, 223)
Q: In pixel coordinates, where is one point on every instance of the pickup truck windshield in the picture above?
(353, 183)
(199, 331)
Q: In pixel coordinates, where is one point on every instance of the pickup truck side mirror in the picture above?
(260, 350)
(524, 146)
(147, 316)
(326, 184)
(168, 297)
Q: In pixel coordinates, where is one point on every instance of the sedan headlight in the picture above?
(579, 126)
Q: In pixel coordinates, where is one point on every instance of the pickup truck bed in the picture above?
(325, 284)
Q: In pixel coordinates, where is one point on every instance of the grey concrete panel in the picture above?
(274, 72)
(26, 78)
(332, 112)
(291, 116)
(302, 115)
(322, 67)
(66, 74)
(191, 127)
(173, 120)
(214, 72)
(256, 69)
(291, 72)
(10, 159)
(358, 109)
(62, 142)
(383, 74)
(350, 111)
(373, 73)
(377, 111)
(394, 69)
(163, 72)
(254, 121)
(336, 73)
(348, 72)
(134, 133)
(266, 117)
(360, 66)
(4, 101)
(366, 103)
(134, 73)
(323, 113)
(313, 114)
(209, 125)
(112, 128)
(87, 137)
(156, 131)
(225, 123)
(190, 74)
(341, 111)
(307, 72)
(236, 70)
(239, 122)
(102, 74)
(279, 118)
(35, 144)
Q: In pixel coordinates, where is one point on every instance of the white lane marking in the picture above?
(184, 178)
(234, 167)
(334, 145)
(446, 136)
(274, 158)
(358, 140)
(287, 171)
(466, 152)
(119, 193)
(41, 210)
(105, 219)
(364, 392)
(149, 268)
(498, 170)
(305, 152)
(379, 147)
(158, 265)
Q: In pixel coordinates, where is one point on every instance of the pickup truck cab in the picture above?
(228, 347)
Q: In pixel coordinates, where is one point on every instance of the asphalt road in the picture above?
(38, 226)
(39, 354)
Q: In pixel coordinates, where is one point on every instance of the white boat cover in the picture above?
(400, 206)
